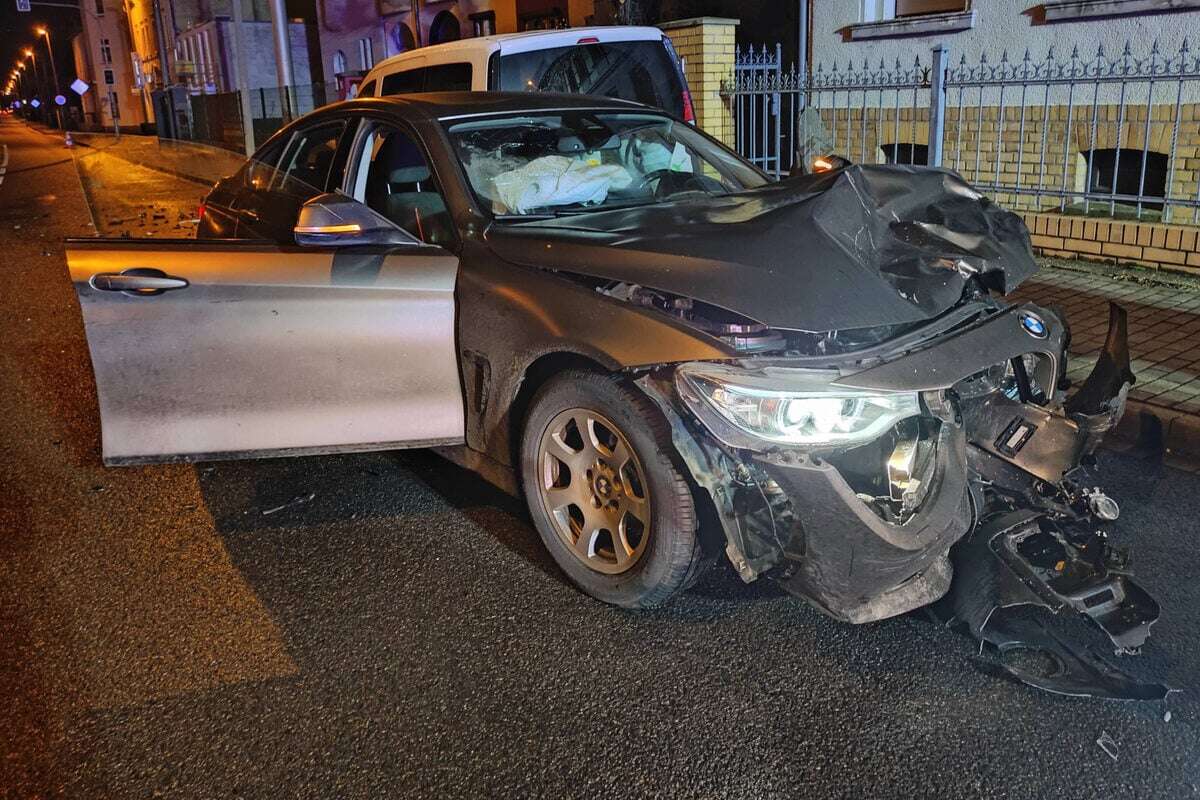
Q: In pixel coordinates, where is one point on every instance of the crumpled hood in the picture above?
(861, 247)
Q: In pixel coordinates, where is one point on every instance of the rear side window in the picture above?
(306, 164)
(408, 82)
(448, 78)
(440, 78)
(260, 169)
(640, 71)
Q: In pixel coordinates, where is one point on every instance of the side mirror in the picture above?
(335, 220)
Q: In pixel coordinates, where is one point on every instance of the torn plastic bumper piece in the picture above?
(857, 567)
(1019, 560)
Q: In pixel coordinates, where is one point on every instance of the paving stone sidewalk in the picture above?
(1164, 325)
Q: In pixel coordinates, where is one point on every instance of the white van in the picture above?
(629, 63)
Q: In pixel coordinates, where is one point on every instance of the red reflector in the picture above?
(588, 40)
(689, 113)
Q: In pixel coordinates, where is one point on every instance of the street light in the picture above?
(37, 78)
(42, 31)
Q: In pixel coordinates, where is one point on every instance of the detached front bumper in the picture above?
(795, 517)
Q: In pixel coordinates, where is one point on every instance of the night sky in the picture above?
(16, 33)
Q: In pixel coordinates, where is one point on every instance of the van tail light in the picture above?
(589, 40)
(689, 113)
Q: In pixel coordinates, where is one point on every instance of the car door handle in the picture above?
(137, 281)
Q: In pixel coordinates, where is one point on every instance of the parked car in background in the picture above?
(622, 62)
(670, 356)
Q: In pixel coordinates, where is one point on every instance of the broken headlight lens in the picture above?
(797, 407)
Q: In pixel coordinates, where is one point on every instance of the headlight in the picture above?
(797, 407)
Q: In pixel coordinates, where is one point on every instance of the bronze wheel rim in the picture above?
(594, 490)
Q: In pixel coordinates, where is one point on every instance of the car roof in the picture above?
(439, 105)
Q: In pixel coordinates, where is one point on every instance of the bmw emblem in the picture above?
(1034, 325)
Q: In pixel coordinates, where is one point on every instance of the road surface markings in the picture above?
(3, 163)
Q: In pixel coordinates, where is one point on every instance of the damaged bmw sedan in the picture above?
(671, 356)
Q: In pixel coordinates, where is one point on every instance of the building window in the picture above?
(105, 52)
(445, 28)
(484, 23)
(99, 8)
(402, 38)
(1104, 170)
(882, 10)
(905, 153)
(366, 53)
(339, 63)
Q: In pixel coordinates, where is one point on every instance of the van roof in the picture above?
(527, 40)
(441, 105)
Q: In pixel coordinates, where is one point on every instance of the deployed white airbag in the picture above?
(557, 181)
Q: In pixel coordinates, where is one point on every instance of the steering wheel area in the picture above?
(666, 182)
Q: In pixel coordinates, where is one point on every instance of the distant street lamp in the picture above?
(37, 77)
(45, 33)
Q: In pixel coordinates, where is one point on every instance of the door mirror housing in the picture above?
(335, 220)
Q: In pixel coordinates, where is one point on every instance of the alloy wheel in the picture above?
(594, 490)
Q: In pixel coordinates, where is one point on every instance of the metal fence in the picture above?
(1106, 135)
(218, 119)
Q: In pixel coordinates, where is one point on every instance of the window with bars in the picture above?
(1112, 171)
(905, 153)
(105, 51)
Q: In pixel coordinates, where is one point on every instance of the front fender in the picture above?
(510, 316)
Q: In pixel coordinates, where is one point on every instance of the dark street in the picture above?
(389, 625)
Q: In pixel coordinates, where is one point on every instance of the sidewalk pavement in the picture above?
(1164, 341)
(200, 163)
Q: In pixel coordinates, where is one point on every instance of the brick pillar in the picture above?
(706, 46)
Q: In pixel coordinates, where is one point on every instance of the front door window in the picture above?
(394, 178)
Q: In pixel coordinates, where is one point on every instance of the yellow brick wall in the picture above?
(706, 45)
(1149, 244)
(1003, 151)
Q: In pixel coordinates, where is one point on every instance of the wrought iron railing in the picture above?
(1112, 135)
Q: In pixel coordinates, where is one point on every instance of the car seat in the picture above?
(414, 204)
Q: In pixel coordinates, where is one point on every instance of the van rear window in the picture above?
(640, 71)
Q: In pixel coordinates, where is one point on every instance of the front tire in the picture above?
(604, 492)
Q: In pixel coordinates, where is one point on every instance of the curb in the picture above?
(164, 170)
(1152, 428)
(206, 182)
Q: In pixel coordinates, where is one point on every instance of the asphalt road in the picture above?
(388, 625)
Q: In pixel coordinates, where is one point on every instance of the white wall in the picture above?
(1000, 25)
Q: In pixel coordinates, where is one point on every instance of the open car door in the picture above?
(230, 349)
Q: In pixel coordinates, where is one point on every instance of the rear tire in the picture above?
(600, 478)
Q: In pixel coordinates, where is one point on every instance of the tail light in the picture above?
(200, 212)
(689, 113)
(589, 40)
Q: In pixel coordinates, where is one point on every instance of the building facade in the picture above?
(205, 60)
(102, 59)
(355, 34)
(874, 30)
